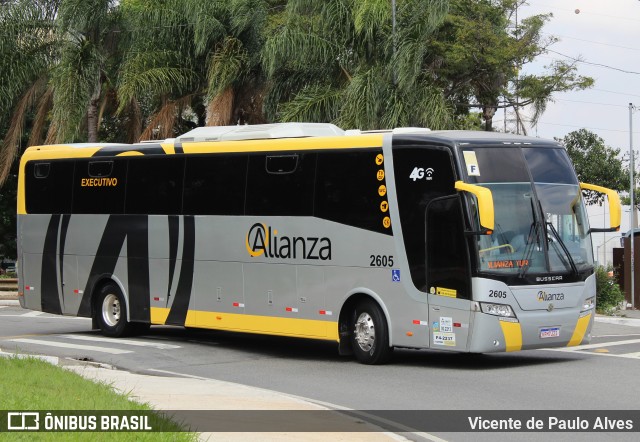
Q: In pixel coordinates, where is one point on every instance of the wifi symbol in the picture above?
(428, 172)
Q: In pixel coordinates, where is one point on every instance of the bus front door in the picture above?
(448, 274)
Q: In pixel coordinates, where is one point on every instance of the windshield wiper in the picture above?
(559, 240)
(534, 234)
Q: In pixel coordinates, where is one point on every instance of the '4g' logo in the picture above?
(419, 173)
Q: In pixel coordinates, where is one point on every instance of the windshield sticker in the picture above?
(472, 163)
(508, 264)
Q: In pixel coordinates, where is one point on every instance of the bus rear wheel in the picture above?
(370, 334)
(112, 312)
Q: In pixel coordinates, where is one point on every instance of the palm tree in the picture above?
(54, 62)
(193, 60)
(342, 61)
(27, 53)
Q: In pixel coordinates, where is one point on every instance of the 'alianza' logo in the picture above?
(544, 296)
(262, 240)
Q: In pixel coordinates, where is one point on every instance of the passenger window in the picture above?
(422, 174)
(351, 191)
(281, 185)
(154, 185)
(99, 186)
(215, 184)
(48, 186)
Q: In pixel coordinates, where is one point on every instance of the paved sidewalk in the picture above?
(8, 296)
(182, 393)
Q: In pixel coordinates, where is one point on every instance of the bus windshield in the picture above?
(541, 225)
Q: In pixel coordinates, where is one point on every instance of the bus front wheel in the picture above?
(112, 312)
(370, 334)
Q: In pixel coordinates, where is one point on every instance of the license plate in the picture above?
(549, 332)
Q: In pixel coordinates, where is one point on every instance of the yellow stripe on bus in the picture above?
(270, 325)
(512, 335)
(130, 153)
(580, 330)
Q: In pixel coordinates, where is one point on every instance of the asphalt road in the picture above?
(602, 376)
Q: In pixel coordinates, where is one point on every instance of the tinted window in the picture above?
(280, 185)
(99, 186)
(447, 259)
(48, 186)
(496, 165)
(154, 185)
(215, 185)
(550, 166)
(351, 189)
(421, 174)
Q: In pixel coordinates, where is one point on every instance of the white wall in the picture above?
(603, 243)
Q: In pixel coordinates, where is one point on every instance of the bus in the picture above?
(448, 240)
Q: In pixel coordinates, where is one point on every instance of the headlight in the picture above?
(589, 303)
(497, 309)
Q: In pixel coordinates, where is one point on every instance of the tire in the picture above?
(370, 334)
(112, 312)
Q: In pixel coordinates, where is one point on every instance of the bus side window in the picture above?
(415, 193)
(48, 186)
(349, 190)
(274, 189)
(215, 184)
(154, 185)
(99, 186)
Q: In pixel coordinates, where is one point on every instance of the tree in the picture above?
(341, 61)
(479, 52)
(193, 60)
(27, 53)
(595, 163)
(55, 57)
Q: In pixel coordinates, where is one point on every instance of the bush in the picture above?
(608, 293)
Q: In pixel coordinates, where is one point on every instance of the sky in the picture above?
(603, 32)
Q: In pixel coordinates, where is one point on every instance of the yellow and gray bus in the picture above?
(448, 240)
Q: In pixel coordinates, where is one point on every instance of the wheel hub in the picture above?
(365, 332)
(111, 310)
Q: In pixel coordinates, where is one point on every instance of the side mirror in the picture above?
(615, 210)
(485, 205)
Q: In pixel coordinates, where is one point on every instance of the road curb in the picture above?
(632, 322)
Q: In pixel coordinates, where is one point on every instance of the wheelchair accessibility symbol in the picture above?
(395, 275)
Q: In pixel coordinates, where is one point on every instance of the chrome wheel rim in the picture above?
(111, 310)
(365, 332)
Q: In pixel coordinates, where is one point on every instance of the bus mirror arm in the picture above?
(615, 210)
(485, 206)
(605, 230)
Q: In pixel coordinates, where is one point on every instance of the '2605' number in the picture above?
(381, 260)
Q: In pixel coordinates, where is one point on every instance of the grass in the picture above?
(32, 384)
